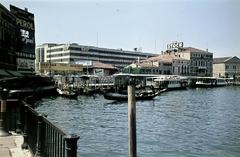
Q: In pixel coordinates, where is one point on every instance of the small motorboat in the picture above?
(67, 93)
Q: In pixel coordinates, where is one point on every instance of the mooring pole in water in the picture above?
(132, 136)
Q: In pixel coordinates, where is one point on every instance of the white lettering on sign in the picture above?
(175, 45)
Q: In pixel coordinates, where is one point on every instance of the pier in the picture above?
(91, 84)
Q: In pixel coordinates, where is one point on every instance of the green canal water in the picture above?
(192, 122)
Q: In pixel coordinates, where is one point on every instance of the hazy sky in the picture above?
(126, 24)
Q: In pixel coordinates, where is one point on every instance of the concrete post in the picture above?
(39, 137)
(3, 108)
(71, 145)
(25, 135)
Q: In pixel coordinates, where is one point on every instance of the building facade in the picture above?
(201, 62)
(228, 67)
(71, 53)
(7, 39)
(25, 37)
(17, 42)
(170, 65)
(163, 64)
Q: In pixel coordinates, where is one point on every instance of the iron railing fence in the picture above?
(41, 136)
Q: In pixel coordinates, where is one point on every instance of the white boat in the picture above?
(168, 82)
(221, 81)
(210, 82)
(67, 93)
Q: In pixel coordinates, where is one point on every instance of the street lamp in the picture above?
(3, 109)
(87, 65)
(50, 62)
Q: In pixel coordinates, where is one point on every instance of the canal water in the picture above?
(191, 122)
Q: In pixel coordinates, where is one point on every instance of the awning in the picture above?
(4, 73)
(15, 73)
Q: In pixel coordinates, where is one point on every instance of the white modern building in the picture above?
(71, 53)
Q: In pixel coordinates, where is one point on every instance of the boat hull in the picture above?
(121, 97)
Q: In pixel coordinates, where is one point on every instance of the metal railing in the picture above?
(41, 136)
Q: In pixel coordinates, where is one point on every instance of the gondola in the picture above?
(122, 97)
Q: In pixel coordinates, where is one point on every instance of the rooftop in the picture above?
(220, 60)
(164, 58)
(187, 49)
(192, 49)
(97, 64)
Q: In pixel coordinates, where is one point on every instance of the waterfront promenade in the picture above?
(10, 146)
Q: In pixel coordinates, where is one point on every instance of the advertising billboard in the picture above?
(99, 72)
(25, 30)
(60, 66)
(174, 45)
(25, 65)
(84, 62)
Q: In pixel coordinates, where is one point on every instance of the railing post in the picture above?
(29, 100)
(18, 121)
(25, 135)
(39, 137)
(3, 108)
(71, 145)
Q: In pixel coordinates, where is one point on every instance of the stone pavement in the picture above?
(10, 146)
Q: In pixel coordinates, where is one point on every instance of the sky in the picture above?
(129, 24)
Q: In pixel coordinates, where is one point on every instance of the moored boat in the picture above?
(210, 82)
(167, 82)
(67, 93)
(123, 97)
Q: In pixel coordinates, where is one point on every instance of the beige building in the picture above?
(164, 64)
(226, 67)
(200, 61)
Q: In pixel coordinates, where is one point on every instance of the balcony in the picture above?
(202, 67)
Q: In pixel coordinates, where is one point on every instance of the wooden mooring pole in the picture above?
(132, 136)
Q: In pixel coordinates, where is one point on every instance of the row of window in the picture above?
(108, 53)
(149, 71)
(180, 62)
(201, 63)
(201, 55)
(55, 50)
(181, 69)
(28, 55)
(228, 67)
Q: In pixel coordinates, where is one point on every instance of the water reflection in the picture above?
(192, 122)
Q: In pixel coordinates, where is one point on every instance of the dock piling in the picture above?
(132, 137)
